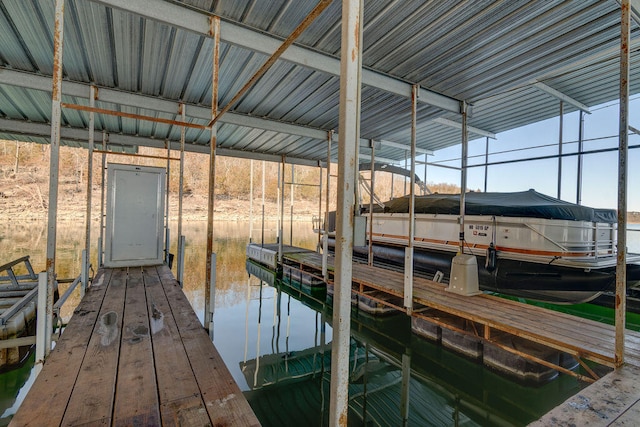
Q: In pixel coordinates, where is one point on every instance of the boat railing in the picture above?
(19, 289)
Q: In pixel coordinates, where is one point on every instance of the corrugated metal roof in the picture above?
(486, 52)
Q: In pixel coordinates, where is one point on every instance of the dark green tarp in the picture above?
(528, 204)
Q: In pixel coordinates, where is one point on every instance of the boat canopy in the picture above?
(528, 204)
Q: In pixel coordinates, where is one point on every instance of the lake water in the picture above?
(276, 342)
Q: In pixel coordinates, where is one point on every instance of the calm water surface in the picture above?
(276, 340)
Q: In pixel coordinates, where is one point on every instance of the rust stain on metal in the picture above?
(356, 48)
(343, 419)
(274, 57)
(57, 47)
(618, 301)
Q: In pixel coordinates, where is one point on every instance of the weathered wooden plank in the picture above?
(46, 401)
(223, 399)
(136, 398)
(180, 398)
(93, 394)
(600, 404)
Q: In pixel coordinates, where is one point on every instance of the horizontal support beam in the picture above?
(81, 136)
(195, 21)
(471, 129)
(81, 90)
(561, 96)
(404, 147)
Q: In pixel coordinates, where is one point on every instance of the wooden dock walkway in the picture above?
(134, 353)
(491, 315)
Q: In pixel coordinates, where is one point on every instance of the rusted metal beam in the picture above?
(463, 174)
(87, 242)
(146, 156)
(321, 6)
(133, 116)
(350, 64)
(54, 162)
(209, 299)
(623, 167)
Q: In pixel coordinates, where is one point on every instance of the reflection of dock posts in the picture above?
(255, 375)
(211, 302)
(406, 389)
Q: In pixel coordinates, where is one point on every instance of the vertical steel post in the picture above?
(167, 233)
(350, 63)
(209, 297)
(183, 134)
(41, 321)
(87, 241)
(408, 251)
(486, 163)
(463, 173)
(319, 205)
(424, 179)
(263, 187)
(560, 126)
(281, 228)
(325, 237)
(293, 183)
(54, 163)
(621, 266)
(373, 174)
(103, 168)
(404, 190)
(580, 148)
(251, 202)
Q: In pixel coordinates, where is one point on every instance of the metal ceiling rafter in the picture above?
(43, 130)
(197, 22)
(471, 129)
(561, 96)
(81, 90)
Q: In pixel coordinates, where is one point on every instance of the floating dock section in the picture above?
(527, 341)
(135, 353)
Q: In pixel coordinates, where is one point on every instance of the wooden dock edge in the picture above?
(613, 400)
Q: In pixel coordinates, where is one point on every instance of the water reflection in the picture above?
(395, 377)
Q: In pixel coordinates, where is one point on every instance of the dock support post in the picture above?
(486, 163)
(560, 126)
(251, 202)
(621, 266)
(408, 253)
(580, 158)
(325, 237)
(54, 161)
(319, 205)
(44, 320)
(87, 242)
(264, 172)
(181, 240)
(349, 116)
(281, 204)
(103, 167)
(463, 173)
(84, 273)
(167, 235)
(209, 294)
(372, 192)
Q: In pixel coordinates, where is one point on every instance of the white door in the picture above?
(135, 214)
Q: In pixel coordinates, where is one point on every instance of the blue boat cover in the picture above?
(528, 204)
